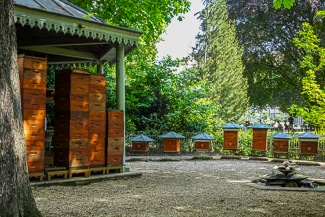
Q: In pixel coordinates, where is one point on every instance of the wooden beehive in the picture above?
(97, 120)
(202, 142)
(71, 119)
(141, 143)
(32, 75)
(171, 142)
(308, 144)
(115, 138)
(259, 139)
(281, 143)
(230, 136)
(260, 136)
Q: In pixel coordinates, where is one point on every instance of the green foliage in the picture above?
(167, 100)
(245, 141)
(313, 62)
(149, 16)
(219, 57)
(272, 61)
(286, 3)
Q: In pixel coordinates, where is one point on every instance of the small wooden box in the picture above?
(171, 144)
(34, 114)
(96, 134)
(116, 141)
(35, 166)
(230, 140)
(97, 116)
(115, 133)
(81, 124)
(140, 146)
(28, 104)
(70, 143)
(29, 83)
(98, 79)
(72, 106)
(114, 160)
(31, 62)
(281, 146)
(115, 116)
(96, 143)
(77, 97)
(39, 94)
(34, 134)
(35, 74)
(71, 134)
(35, 154)
(96, 156)
(97, 125)
(97, 89)
(308, 148)
(97, 106)
(115, 150)
(34, 125)
(72, 115)
(259, 139)
(35, 144)
(77, 157)
(202, 145)
(97, 98)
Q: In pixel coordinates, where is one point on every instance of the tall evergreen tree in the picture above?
(220, 59)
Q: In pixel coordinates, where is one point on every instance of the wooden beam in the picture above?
(61, 52)
(68, 41)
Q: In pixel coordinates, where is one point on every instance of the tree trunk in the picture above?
(16, 198)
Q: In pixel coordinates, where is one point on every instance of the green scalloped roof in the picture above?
(172, 134)
(203, 136)
(260, 126)
(141, 138)
(308, 135)
(281, 135)
(231, 125)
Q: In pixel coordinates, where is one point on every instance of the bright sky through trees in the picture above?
(180, 36)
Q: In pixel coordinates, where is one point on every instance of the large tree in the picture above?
(16, 199)
(314, 61)
(220, 60)
(272, 61)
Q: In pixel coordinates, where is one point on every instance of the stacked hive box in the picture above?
(259, 139)
(32, 73)
(71, 119)
(115, 138)
(97, 120)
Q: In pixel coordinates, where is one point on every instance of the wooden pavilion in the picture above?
(63, 34)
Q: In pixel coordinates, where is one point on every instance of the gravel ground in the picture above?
(184, 188)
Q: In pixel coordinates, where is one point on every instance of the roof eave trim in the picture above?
(75, 26)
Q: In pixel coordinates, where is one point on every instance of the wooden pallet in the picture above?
(51, 171)
(118, 167)
(40, 175)
(95, 169)
(86, 172)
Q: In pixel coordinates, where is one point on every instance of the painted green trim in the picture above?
(75, 26)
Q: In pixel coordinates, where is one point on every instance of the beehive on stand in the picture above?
(308, 144)
(230, 136)
(141, 143)
(171, 142)
(260, 136)
(202, 142)
(32, 76)
(281, 143)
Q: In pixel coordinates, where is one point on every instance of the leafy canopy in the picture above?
(286, 3)
(313, 62)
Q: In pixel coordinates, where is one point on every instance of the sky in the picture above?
(180, 35)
